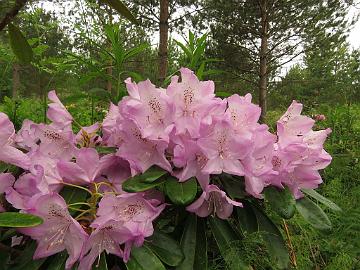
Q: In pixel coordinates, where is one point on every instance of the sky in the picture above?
(354, 36)
(353, 39)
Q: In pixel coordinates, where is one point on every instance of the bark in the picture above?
(15, 79)
(19, 4)
(109, 69)
(263, 60)
(163, 42)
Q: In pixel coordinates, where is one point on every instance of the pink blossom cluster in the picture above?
(184, 129)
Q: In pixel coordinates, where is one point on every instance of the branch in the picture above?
(186, 14)
(19, 4)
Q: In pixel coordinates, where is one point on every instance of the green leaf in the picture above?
(57, 262)
(273, 239)
(181, 193)
(19, 45)
(247, 219)
(188, 243)
(234, 187)
(122, 9)
(184, 48)
(222, 94)
(105, 150)
(26, 262)
(19, 220)
(201, 257)
(312, 193)
(281, 201)
(152, 174)
(73, 195)
(143, 258)
(136, 185)
(3, 167)
(313, 214)
(100, 265)
(166, 248)
(225, 236)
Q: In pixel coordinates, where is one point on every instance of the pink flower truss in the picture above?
(184, 129)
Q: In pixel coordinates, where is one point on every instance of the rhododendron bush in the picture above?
(163, 168)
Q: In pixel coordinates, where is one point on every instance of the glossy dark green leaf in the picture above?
(247, 219)
(273, 239)
(234, 187)
(325, 201)
(122, 9)
(313, 214)
(181, 193)
(19, 45)
(166, 248)
(225, 236)
(201, 257)
(188, 243)
(57, 262)
(19, 220)
(73, 195)
(152, 174)
(143, 258)
(135, 184)
(25, 260)
(281, 201)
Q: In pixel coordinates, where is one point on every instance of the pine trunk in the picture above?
(263, 76)
(163, 42)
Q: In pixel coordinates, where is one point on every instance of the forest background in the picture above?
(277, 50)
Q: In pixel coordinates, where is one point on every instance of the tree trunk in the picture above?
(263, 76)
(15, 79)
(163, 42)
(109, 69)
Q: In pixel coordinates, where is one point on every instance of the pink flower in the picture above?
(87, 136)
(110, 126)
(194, 102)
(150, 108)
(124, 219)
(6, 182)
(84, 171)
(292, 126)
(26, 137)
(128, 208)
(188, 155)
(299, 152)
(59, 230)
(142, 152)
(213, 201)
(244, 115)
(27, 186)
(55, 143)
(57, 113)
(224, 149)
(116, 169)
(106, 237)
(258, 163)
(8, 153)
